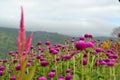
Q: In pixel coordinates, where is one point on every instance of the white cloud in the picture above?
(63, 16)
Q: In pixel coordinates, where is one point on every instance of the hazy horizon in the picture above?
(69, 17)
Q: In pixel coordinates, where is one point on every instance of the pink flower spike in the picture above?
(28, 43)
(21, 34)
(22, 20)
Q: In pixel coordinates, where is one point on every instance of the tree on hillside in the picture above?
(116, 31)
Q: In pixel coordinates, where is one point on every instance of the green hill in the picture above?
(8, 39)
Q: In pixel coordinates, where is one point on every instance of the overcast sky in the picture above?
(71, 17)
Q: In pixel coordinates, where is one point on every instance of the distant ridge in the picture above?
(8, 38)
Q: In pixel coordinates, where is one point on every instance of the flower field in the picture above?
(83, 59)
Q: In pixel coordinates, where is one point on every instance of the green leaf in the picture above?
(30, 75)
(76, 77)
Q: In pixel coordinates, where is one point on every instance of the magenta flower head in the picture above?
(12, 78)
(42, 78)
(2, 68)
(57, 59)
(67, 57)
(54, 52)
(84, 61)
(90, 36)
(89, 45)
(39, 43)
(47, 43)
(38, 56)
(86, 35)
(18, 67)
(110, 63)
(82, 38)
(10, 53)
(102, 62)
(68, 70)
(61, 78)
(9, 71)
(99, 50)
(53, 70)
(80, 45)
(1, 73)
(69, 77)
(30, 60)
(4, 61)
(15, 61)
(44, 63)
(51, 74)
(28, 64)
(110, 55)
(115, 56)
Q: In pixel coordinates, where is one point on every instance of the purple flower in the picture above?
(110, 63)
(2, 68)
(80, 45)
(30, 60)
(10, 53)
(69, 77)
(97, 63)
(90, 36)
(39, 43)
(67, 57)
(72, 40)
(31, 47)
(84, 61)
(57, 59)
(55, 52)
(10, 71)
(51, 50)
(12, 78)
(47, 43)
(86, 35)
(110, 55)
(44, 63)
(51, 74)
(89, 45)
(15, 61)
(1, 60)
(107, 60)
(41, 59)
(28, 64)
(68, 70)
(42, 78)
(18, 67)
(4, 61)
(102, 62)
(82, 38)
(99, 50)
(115, 56)
(38, 57)
(1, 73)
(53, 70)
(61, 78)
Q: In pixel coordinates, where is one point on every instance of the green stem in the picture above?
(110, 72)
(74, 67)
(82, 76)
(114, 73)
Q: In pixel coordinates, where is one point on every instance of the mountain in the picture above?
(8, 39)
